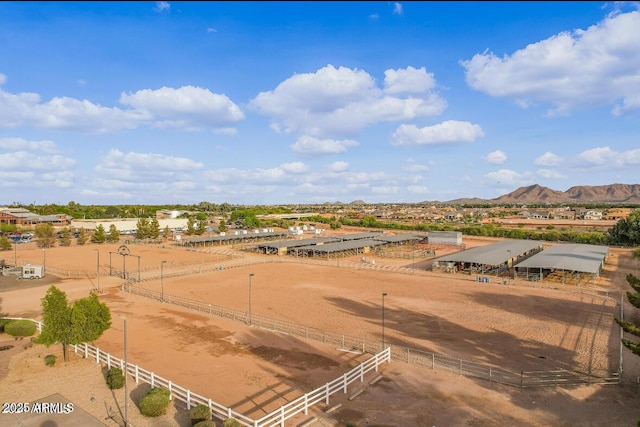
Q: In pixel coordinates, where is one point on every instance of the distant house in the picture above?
(168, 214)
(617, 213)
(592, 214)
(24, 217)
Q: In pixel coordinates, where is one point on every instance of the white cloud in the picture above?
(397, 9)
(116, 159)
(338, 166)
(447, 132)
(548, 159)
(294, 167)
(509, 178)
(342, 101)
(408, 80)
(308, 146)
(34, 164)
(161, 6)
(606, 157)
(550, 174)
(412, 166)
(186, 107)
(418, 189)
(597, 66)
(496, 157)
(211, 30)
(17, 144)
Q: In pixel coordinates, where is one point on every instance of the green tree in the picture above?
(99, 235)
(222, 227)
(46, 235)
(191, 229)
(626, 231)
(142, 228)
(202, 227)
(5, 243)
(167, 232)
(83, 321)
(114, 235)
(82, 237)
(154, 228)
(201, 216)
(65, 238)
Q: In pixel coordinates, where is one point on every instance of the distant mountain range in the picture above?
(614, 193)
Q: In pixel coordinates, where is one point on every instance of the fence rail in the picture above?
(221, 412)
(373, 346)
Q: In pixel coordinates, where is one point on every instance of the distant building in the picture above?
(24, 217)
(168, 214)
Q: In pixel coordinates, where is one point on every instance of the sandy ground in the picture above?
(517, 327)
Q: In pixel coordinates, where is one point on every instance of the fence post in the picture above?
(152, 379)
(433, 361)
(344, 380)
(108, 360)
(97, 355)
(362, 370)
(326, 394)
(489, 374)
(306, 403)
(137, 375)
(171, 394)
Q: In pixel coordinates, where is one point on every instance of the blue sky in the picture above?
(313, 102)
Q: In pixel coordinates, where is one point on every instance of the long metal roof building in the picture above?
(495, 253)
(569, 257)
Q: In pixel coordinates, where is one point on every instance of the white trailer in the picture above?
(32, 271)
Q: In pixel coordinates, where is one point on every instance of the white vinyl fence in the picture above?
(221, 412)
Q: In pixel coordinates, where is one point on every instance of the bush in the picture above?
(230, 422)
(155, 402)
(20, 328)
(50, 360)
(3, 322)
(205, 423)
(115, 378)
(200, 413)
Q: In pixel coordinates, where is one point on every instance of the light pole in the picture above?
(162, 281)
(509, 267)
(15, 253)
(44, 261)
(126, 392)
(98, 269)
(384, 294)
(250, 276)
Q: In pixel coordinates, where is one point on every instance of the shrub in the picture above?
(3, 322)
(200, 413)
(20, 328)
(230, 422)
(50, 360)
(155, 402)
(115, 378)
(205, 423)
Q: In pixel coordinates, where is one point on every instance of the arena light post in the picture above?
(44, 261)
(162, 281)
(98, 269)
(509, 267)
(384, 294)
(126, 392)
(250, 276)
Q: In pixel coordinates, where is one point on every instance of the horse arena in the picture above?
(522, 327)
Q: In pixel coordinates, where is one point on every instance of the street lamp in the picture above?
(126, 393)
(250, 276)
(162, 281)
(98, 269)
(384, 294)
(509, 267)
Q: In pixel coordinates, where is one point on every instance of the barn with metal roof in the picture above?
(491, 259)
(565, 263)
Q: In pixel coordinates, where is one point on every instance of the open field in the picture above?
(517, 327)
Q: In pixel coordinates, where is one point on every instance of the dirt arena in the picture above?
(516, 327)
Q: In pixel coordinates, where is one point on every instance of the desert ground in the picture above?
(516, 327)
